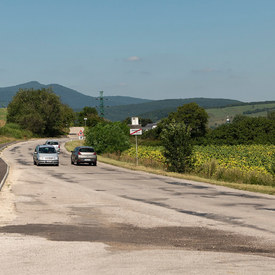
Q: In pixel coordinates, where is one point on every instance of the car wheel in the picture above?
(95, 163)
(72, 162)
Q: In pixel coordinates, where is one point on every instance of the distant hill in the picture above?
(218, 116)
(120, 107)
(73, 98)
(159, 109)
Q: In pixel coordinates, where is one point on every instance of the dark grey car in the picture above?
(84, 154)
(45, 154)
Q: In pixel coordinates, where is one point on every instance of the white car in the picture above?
(55, 144)
(45, 154)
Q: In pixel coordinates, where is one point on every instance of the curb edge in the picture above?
(5, 176)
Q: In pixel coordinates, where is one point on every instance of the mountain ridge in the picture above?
(149, 109)
(117, 108)
(71, 97)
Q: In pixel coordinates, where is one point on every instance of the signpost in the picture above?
(136, 130)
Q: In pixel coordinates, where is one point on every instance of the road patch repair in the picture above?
(128, 237)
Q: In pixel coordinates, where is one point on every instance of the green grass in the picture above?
(70, 145)
(12, 130)
(218, 116)
(3, 113)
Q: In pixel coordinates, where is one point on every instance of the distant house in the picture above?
(149, 126)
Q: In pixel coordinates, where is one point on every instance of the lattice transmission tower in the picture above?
(101, 104)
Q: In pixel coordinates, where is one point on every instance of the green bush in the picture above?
(178, 147)
(108, 138)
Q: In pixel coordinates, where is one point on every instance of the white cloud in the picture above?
(211, 70)
(206, 70)
(117, 85)
(133, 59)
(122, 84)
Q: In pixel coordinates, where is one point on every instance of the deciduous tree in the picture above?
(39, 111)
(193, 116)
(91, 114)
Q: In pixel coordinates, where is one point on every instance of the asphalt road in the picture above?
(108, 220)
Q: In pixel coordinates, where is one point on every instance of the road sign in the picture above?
(80, 133)
(135, 132)
(134, 120)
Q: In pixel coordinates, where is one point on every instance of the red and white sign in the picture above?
(135, 132)
(80, 133)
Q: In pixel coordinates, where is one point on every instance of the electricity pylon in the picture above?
(101, 104)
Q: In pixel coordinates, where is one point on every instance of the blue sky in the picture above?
(154, 49)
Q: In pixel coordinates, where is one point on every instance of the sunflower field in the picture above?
(244, 157)
(148, 155)
(254, 164)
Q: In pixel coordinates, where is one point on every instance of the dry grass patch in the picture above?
(4, 139)
(2, 122)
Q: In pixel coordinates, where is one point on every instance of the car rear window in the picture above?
(52, 142)
(47, 150)
(87, 150)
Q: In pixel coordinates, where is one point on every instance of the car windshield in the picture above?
(87, 150)
(47, 150)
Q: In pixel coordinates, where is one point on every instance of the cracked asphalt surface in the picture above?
(100, 216)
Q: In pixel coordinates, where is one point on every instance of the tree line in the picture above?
(42, 113)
